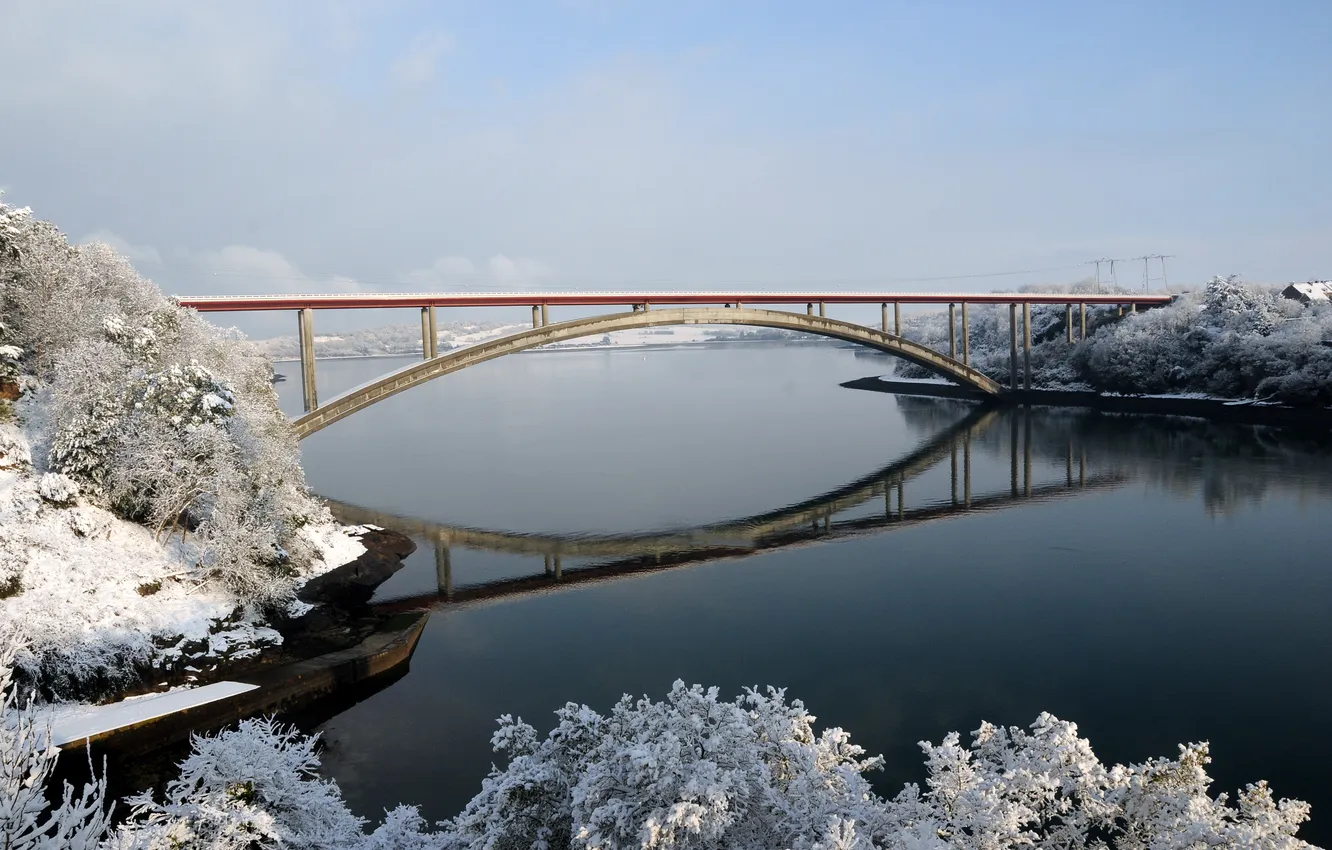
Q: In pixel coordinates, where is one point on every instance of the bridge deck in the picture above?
(375, 300)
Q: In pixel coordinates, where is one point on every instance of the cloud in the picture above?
(138, 254)
(460, 274)
(243, 269)
(420, 62)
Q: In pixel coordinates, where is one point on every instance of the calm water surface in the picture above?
(905, 567)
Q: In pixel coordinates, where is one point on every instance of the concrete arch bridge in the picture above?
(658, 309)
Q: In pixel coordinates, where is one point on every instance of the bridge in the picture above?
(655, 309)
(811, 521)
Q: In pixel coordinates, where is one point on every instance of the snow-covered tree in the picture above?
(154, 412)
(1232, 339)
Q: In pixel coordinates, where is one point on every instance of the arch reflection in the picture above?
(821, 518)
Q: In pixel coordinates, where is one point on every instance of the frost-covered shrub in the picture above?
(28, 820)
(689, 772)
(695, 772)
(1233, 340)
(154, 412)
(58, 489)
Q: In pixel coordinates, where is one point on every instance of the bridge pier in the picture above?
(1026, 346)
(966, 336)
(429, 334)
(545, 314)
(885, 316)
(549, 571)
(1068, 321)
(1012, 348)
(559, 569)
(952, 330)
(309, 393)
(536, 316)
(443, 569)
(809, 309)
(823, 309)
(901, 500)
(1082, 308)
(897, 317)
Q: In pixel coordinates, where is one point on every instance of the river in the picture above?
(905, 567)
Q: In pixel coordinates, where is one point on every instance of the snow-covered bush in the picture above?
(28, 821)
(58, 489)
(154, 412)
(689, 772)
(696, 772)
(1233, 340)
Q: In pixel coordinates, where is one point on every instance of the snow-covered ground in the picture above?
(84, 594)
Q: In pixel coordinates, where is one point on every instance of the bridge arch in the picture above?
(363, 396)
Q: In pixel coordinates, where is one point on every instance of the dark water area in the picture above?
(598, 523)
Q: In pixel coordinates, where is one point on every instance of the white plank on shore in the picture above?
(76, 722)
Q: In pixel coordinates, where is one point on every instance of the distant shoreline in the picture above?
(1213, 409)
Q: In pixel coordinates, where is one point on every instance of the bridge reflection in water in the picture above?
(810, 521)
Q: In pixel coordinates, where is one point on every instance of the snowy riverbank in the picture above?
(89, 598)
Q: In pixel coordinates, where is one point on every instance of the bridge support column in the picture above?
(1121, 311)
(809, 309)
(1026, 346)
(549, 571)
(1133, 308)
(427, 349)
(738, 305)
(647, 306)
(545, 315)
(559, 569)
(823, 309)
(1068, 321)
(952, 331)
(434, 335)
(1082, 308)
(901, 499)
(897, 317)
(966, 336)
(308, 391)
(536, 316)
(1012, 348)
(885, 316)
(443, 569)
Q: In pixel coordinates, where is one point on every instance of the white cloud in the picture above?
(460, 273)
(420, 62)
(243, 269)
(138, 254)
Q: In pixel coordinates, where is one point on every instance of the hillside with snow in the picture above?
(154, 511)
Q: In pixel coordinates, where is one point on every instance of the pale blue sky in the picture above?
(314, 146)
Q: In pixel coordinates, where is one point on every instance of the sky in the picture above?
(241, 147)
